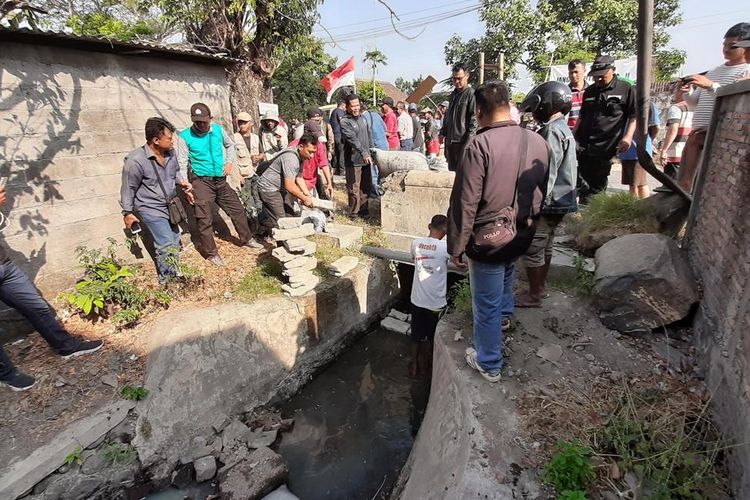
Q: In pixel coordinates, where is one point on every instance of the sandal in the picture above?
(505, 324)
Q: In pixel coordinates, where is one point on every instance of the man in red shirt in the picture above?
(311, 167)
(577, 77)
(391, 124)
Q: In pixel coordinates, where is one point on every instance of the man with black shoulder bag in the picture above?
(499, 188)
(148, 194)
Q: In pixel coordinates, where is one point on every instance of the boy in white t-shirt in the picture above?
(428, 292)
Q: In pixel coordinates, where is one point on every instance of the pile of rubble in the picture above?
(297, 255)
(397, 322)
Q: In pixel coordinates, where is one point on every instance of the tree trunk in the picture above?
(247, 89)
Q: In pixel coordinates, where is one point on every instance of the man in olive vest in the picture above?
(210, 154)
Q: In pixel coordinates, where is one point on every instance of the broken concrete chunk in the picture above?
(110, 380)
(234, 433)
(343, 235)
(302, 261)
(550, 352)
(300, 246)
(394, 325)
(294, 233)
(205, 468)
(281, 493)
(265, 439)
(324, 204)
(301, 290)
(303, 279)
(643, 281)
(395, 313)
(299, 274)
(289, 222)
(262, 472)
(281, 254)
(343, 265)
(220, 422)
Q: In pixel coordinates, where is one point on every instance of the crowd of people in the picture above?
(512, 185)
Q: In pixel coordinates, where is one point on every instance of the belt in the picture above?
(211, 177)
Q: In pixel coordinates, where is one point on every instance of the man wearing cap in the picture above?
(209, 153)
(405, 127)
(605, 127)
(418, 137)
(391, 124)
(703, 99)
(459, 122)
(273, 136)
(248, 150)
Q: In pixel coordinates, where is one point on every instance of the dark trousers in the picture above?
(339, 152)
(453, 152)
(17, 291)
(210, 190)
(358, 185)
(275, 206)
(594, 172)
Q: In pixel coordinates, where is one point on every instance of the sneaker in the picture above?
(254, 244)
(216, 260)
(471, 360)
(19, 382)
(81, 347)
(505, 324)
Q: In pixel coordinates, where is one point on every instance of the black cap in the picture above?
(601, 65)
(199, 112)
(314, 113)
(388, 101)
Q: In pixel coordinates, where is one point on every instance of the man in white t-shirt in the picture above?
(703, 99)
(428, 292)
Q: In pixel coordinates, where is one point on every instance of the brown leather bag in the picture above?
(493, 233)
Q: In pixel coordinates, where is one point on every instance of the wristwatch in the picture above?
(715, 86)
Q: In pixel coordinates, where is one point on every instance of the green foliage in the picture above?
(569, 470)
(264, 280)
(408, 86)
(296, 82)
(537, 33)
(667, 63)
(606, 210)
(572, 495)
(671, 446)
(364, 89)
(107, 288)
(584, 282)
(120, 453)
(101, 24)
(461, 293)
(74, 457)
(134, 393)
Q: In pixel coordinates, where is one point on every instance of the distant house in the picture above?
(389, 89)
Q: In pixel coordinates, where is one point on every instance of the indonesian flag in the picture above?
(340, 77)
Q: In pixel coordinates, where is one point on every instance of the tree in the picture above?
(375, 58)
(296, 83)
(371, 89)
(556, 31)
(408, 86)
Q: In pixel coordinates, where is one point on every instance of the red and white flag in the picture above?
(340, 77)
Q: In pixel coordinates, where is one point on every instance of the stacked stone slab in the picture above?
(296, 255)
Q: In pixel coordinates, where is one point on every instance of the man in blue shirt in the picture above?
(379, 140)
(210, 154)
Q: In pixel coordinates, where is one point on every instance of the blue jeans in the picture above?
(407, 144)
(18, 292)
(166, 238)
(374, 173)
(491, 300)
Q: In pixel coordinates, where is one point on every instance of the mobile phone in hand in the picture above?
(3, 181)
(135, 228)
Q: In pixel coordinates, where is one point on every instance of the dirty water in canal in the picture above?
(355, 422)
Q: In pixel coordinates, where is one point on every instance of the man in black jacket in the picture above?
(357, 139)
(459, 122)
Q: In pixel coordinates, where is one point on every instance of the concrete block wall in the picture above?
(718, 243)
(69, 117)
(409, 202)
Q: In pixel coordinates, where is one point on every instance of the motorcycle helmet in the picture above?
(547, 99)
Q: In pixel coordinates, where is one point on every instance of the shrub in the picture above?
(569, 470)
(134, 393)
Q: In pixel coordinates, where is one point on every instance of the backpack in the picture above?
(250, 193)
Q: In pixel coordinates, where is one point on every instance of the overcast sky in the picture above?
(361, 25)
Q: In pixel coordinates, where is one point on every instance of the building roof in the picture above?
(390, 89)
(102, 44)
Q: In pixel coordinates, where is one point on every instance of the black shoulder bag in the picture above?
(176, 211)
(490, 236)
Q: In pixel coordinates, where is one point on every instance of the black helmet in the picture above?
(546, 100)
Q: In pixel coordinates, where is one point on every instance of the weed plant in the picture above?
(569, 470)
(120, 453)
(134, 393)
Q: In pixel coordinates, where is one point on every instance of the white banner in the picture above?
(623, 67)
(264, 107)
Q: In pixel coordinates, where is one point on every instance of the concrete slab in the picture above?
(293, 233)
(301, 290)
(343, 265)
(17, 479)
(343, 235)
(300, 246)
(289, 222)
(308, 265)
(393, 325)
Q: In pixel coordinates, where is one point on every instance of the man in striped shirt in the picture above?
(703, 99)
(577, 76)
(679, 126)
